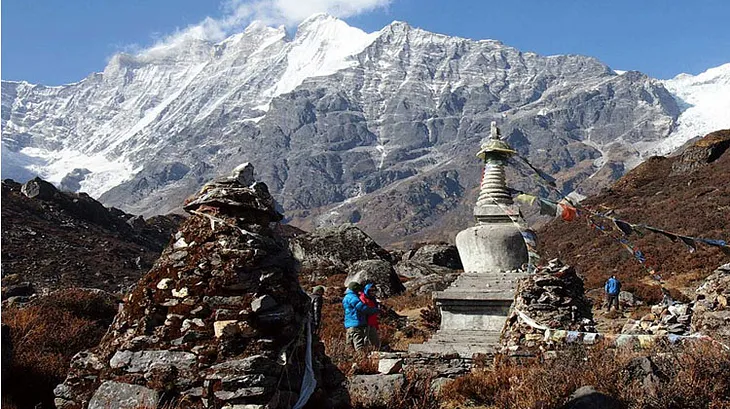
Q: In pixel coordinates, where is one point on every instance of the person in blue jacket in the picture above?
(612, 288)
(356, 313)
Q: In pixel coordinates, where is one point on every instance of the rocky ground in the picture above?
(53, 239)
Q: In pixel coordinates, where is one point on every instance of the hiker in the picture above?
(316, 296)
(369, 296)
(356, 316)
(612, 288)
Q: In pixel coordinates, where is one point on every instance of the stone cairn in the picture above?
(220, 321)
(552, 298)
(668, 318)
(711, 309)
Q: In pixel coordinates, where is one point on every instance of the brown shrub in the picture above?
(407, 301)
(650, 294)
(46, 335)
(694, 376)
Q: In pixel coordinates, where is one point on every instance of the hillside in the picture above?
(688, 194)
(59, 239)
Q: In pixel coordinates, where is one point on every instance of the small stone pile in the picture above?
(218, 322)
(551, 298)
(711, 311)
(662, 320)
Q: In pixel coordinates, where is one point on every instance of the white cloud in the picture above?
(239, 13)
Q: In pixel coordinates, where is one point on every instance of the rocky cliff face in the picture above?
(220, 319)
(378, 129)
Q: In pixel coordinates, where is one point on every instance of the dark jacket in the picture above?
(316, 311)
(356, 311)
(370, 302)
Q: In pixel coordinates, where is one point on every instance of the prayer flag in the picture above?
(689, 242)
(623, 226)
(548, 208)
(525, 198)
(567, 213)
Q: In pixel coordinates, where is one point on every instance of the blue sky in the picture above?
(54, 42)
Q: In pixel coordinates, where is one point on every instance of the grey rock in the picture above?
(263, 303)
(142, 361)
(390, 366)
(72, 181)
(627, 298)
(443, 255)
(38, 188)
(117, 395)
(586, 397)
(375, 389)
(379, 272)
(256, 364)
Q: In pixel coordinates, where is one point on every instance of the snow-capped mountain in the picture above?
(343, 125)
(705, 103)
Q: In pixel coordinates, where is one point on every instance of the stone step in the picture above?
(463, 350)
(466, 340)
(481, 287)
(499, 295)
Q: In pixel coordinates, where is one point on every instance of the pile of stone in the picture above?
(552, 298)
(662, 320)
(219, 321)
(711, 312)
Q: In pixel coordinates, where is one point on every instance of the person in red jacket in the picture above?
(369, 297)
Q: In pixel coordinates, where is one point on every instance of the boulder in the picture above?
(333, 250)
(390, 366)
(587, 397)
(38, 188)
(119, 395)
(442, 254)
(379, 272)
(430, 283)
(627, 299)
(375, 390)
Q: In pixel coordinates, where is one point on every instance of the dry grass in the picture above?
(696, 376)
(408, 301)
(46, 335)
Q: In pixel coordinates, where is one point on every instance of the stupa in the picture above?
(475, 307)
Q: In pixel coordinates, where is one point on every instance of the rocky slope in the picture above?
(378, 129)
(57, 239)
(688, 194)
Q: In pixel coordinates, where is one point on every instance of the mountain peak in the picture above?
(318, 18)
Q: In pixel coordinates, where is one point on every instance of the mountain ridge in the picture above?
(377, 124)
